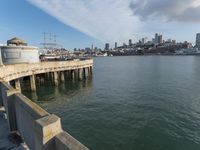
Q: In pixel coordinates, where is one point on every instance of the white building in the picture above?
(17, 51)
(198, 40)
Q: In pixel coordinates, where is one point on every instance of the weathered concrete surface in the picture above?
(17, 85)
(65, 141)
(11, 72)
(5, 143)
(62, 76)
(38, 129)
(55, 78)
(32, 83)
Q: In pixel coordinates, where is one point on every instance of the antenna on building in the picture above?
(54, 38)
(44, 34)
(49, 43)
(50, 38)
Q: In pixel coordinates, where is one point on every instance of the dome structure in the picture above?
(17, 51)
(16, 41)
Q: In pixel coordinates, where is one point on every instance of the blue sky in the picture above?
(79, 23)
(20, 18)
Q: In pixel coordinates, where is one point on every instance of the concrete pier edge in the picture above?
(38, 129)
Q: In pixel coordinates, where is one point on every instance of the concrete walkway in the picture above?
(5, 143)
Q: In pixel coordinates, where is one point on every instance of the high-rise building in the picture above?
(169, 40)
(115, 45)
(160, 40)
(156, 38)
(95, 49)
(130, 42)
(124, 45)
(144, 40)
(87, 49)
(198, 40)
(107, 46)
(173, 41)
(92, 47)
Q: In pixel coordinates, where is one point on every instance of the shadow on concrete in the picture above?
(8, 141)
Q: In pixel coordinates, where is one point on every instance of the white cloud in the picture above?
(167, 10)
(105, 20)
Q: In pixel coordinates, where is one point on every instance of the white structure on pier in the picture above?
(17, 51)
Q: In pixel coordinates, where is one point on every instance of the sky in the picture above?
(81, 23)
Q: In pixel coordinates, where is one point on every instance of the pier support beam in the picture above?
(73, 74)
(55, 78)
(67, 74)
(80, 74)
(42, 78)
(18, 85)
(76, 74)
(48, 75)
(62, 76)
(85, 73)
(52, 77)
(32, 82)
(91, 70)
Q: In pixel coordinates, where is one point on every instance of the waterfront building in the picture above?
(95, 49)
(115, 45)
(92, 47)
(107, 46)
(17, 51)
(156, 38)
(173, 41)
(160, 40)
(124, 45)
(87, 49)
(198, 40)
(130, 42)
(169, 40)
(153, 40)
(144, 40)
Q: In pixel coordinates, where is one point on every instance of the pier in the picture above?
(37, 128)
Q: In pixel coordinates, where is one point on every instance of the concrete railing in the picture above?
(39, 129)
(11, 72)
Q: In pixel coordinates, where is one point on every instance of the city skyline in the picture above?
(79, 24)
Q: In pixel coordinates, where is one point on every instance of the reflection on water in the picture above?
(132, 103)
(69, 89)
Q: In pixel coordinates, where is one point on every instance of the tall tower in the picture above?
(160, 39)
(92, 47)
(115, 45)
(107, 46)
(130, 42)
(198, 40)
(156, 38)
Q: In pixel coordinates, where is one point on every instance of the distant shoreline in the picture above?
(154, 55)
